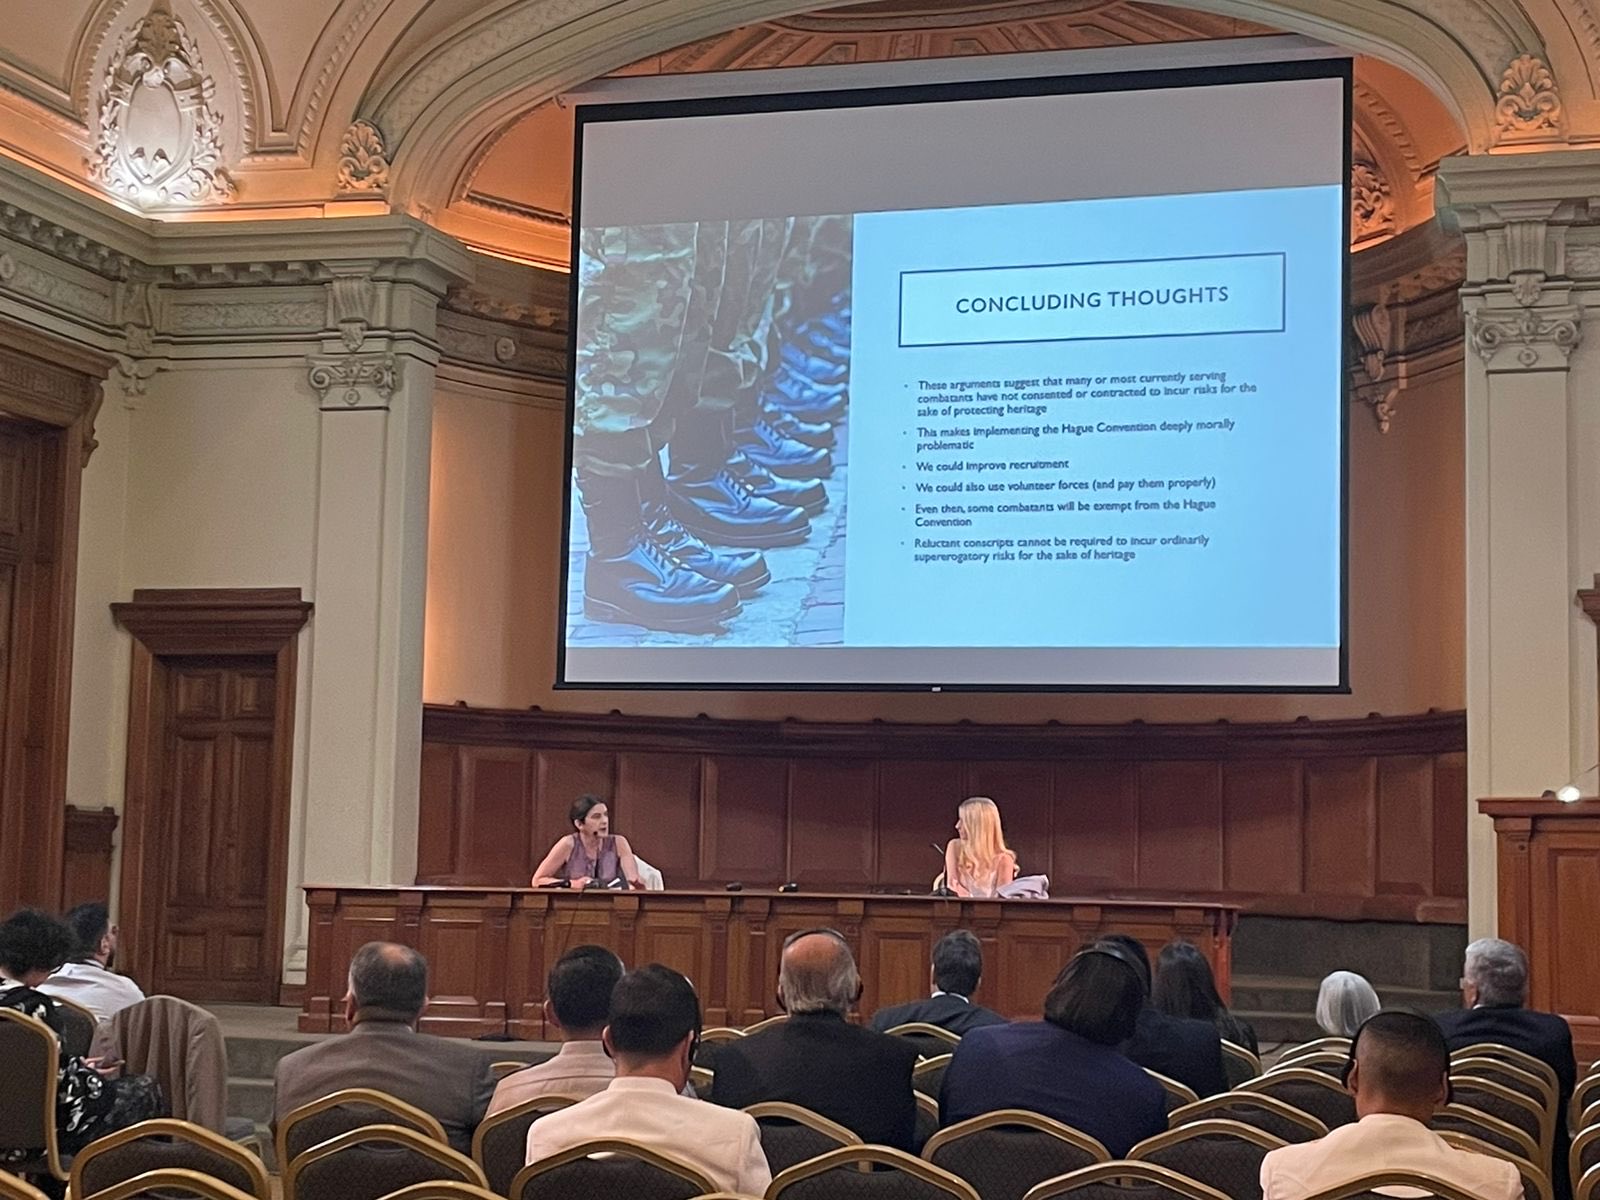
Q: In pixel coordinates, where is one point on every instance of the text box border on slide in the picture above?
(1283, 300)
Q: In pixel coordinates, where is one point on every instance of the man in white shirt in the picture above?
(88, 979)
(577, 1002)
(1399, 1077)
(655, 1023)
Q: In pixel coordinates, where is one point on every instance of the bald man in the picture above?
(816, 1058)
(388, 989)
(1400, 1077)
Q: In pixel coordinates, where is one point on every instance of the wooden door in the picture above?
(218, 825)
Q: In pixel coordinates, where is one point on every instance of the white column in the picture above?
(1533, 449)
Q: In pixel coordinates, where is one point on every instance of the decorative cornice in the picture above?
(363, 161)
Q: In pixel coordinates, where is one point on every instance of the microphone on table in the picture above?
(943, 891)
(557, 883)
(791, 886)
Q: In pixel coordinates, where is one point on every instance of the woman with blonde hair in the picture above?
(977, 861)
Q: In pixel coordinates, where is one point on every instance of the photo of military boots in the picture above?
(746, 570)
(763, 443)
(718, 503)
(630, 578)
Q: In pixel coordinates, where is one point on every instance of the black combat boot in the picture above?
(712, 502)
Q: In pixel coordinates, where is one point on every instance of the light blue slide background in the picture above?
(1270, 576)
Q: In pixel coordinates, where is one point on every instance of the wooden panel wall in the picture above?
(1363, 818)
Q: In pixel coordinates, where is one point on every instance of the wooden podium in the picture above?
(1549, 894)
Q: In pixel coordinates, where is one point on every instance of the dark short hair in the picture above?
(580, 987)
(89, 923)
(652, 1010)
(33, 940)
(581, 806)
(389, 976)
(1184, 985)
(1097, 996)
(957, 963)
(1134, 949)
(1402, 1055)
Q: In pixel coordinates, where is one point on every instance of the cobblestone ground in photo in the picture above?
(802, 606)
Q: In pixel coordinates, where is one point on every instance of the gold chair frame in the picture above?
(925, 1029)
(1437, 1188)
(1181, 1092)
(1296, 1074)
(863, 1157)
(1014, 1117)
(173, 1177)
(1585, 1095)
(368, 1096)
(1201, 1110)
(655, 1158)
(1586, 1187)
(779, 1019)
(804, 1116)
(422, 1144)
(14, 1187)
(1546, 1116)
(1526, 1168)
(1244, 1054)
(1579, 1144)
(549, 1104)
(1520, 1058)
(1145, 1172)
(1529, 1149)
(442, 1189)
(929, 1066)
(720, 1033)
(506, 1066)
(1183, 1133)
(37, 1028)
(183, 1130)
(1314, 1046)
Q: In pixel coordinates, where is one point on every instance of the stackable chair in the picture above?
(1535, 1182)
(610, 1167)
(1124, 1180)
(791, 1134)
(868, 1173)
(1007, 1153)
(1178, 1094)
(166, 1144)
(373, 1161)
(1311, 1091)
(927, 1076)
(1252, 1108)
(500, 1143)
(346, 1110)
(32, 1056)
(1225, 1155)
(170, 1183)
(930, 1040)
(1239, 1063)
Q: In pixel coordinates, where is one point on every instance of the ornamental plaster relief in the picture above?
(1528, 108)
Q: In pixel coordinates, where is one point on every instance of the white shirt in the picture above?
(101, 991)
(722, 1142)
(1377, 1142)
(579, 1070)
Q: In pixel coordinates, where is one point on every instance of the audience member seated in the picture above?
(655, 1023)
(1344, 1002)
(87, 978)
(579, 1000)
(1068, 1065)
(816, 1058)
(957, 968)
(1494, 987)
(1400, 1076)
(1185, 987)
(1180, 1048)
(388, 990)
(92, 1096)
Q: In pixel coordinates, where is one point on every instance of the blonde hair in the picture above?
(984, 843)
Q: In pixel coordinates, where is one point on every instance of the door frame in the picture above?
(169, 623)
(47, 381)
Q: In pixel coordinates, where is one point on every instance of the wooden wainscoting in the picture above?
(1356, 818)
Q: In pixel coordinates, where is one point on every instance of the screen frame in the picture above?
(1333, 65)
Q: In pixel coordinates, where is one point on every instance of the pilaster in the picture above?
(1533, 450)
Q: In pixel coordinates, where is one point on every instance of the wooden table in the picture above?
(489, 949)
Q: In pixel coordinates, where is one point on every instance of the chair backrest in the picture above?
(705, 1052)
(1178, 1094)
(1584, 1155)
(14, 1188)
(791, 1134)
(1366, 1187)
(180, 1045)
(1252, 1108)
(500, 1143)
(766, 1024)
(927, 1120)
(371, 1162)
(443, 1189)
(1503, 1071)
(506, 1066)
(1474, 1122)
(174, 1181)
(1588, 1185)
(165, 1144)
(1310, 1091)
(868, 1173)
(1225, 1155)
(1584, 1095)
(32, 1056)
(78, 1026)
(1517, 1058)
(345, 1110)
(1005, 1154)
(1315, 1046)
(1239, 1063)
(930, 1040)
(927, 1076)
(1123, 1180)
(1511, 1107)
(609, 1167)
(1329, 1062)
(701, 1079)
(1535, 1183)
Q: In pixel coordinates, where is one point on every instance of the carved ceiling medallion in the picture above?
(159, 139)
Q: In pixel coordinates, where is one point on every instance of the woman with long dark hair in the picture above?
(1185, 987)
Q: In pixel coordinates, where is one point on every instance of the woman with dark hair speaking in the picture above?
(591, 855)
(1068, 1065)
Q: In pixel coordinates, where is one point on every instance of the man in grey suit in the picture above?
(383, 1050)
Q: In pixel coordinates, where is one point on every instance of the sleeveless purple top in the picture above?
(605, 868)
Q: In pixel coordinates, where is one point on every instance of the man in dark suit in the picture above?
(1494, 987)
(816, 1058)
(383, 1050)
(1187, 1050)
(957, 968)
